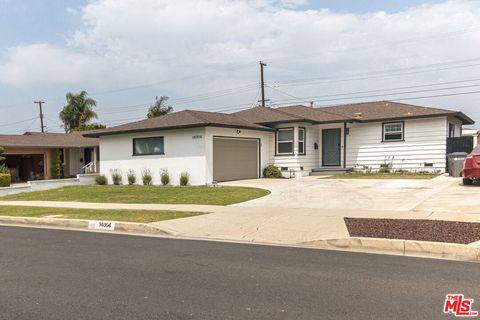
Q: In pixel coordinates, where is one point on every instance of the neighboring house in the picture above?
(474, 133)
(29, 156)
(298, 139)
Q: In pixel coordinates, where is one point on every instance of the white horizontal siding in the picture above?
(425, 142)
(296, 161)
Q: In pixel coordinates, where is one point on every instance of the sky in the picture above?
(204, 55)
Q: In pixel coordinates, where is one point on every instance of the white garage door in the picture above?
(235, 159)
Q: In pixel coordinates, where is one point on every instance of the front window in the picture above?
(301, 140)
(393, 131)
(148, 146)
(285, 141)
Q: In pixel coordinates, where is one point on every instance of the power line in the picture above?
(17, 122)
(364, 75)
(385, 89)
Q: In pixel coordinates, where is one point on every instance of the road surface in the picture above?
(55, 274)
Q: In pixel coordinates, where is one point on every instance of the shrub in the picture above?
(165, 177)
(184, 178)
(272, 172)
(384, 169)
(101, 180)
(116, 176)
(146, 177)
(5, 180)
(131, 177)
(57, 165)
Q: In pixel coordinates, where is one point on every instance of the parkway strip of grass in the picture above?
(144, 194)
(141, 216)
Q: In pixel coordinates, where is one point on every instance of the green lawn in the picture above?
(376, 175)
(145, 194)
(142, 216)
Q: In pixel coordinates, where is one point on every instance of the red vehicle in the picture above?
(471, 167)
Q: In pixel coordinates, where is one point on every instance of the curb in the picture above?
(412, 248)
(91, 225)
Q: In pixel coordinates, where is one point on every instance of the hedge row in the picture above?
(5, 180)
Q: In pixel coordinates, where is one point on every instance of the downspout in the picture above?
(345, 144)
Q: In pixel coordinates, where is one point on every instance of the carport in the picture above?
(26, 166)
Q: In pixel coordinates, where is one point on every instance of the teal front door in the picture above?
(331, 147)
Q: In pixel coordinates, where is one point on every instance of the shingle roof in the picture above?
(265, 115)
(48, 140)
(370, 111)
(385, 110)
(181, 119)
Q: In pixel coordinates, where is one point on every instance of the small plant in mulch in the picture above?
(184, 178)
(116, 176)
(165, 177)
(131, 177)
(147, 177)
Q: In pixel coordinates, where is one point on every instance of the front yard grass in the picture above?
(144, 194)
(377, 175)
(141, 216)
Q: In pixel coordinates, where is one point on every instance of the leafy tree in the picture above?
(90, 126)
(1, 153)
(159, 108)
(78, 111)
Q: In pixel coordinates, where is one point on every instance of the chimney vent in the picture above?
(358, 115)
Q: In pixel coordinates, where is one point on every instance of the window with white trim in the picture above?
(393, 131)
(285, 141)
(301, 140)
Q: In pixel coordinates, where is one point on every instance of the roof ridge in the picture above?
(194, 113)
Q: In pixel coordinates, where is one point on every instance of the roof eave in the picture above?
(200, 125)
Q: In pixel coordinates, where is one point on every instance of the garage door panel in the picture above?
(235, 159)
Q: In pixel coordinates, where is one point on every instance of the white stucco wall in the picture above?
(425, 142)
(210, 132)
(184, 151)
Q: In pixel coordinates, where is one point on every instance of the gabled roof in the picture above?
(48, 140)
(181, 119)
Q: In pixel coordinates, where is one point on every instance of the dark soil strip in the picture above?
(408, 229)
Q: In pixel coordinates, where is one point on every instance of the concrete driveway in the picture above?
(312, 208)
(440, 194)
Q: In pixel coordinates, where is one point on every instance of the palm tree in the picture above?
(159, 108)
(78, 111)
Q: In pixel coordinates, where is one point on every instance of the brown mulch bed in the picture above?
(413, 229)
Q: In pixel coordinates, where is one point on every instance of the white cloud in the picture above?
(44, 63)
(125, 43)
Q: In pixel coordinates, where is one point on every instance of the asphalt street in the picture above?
(55, 274)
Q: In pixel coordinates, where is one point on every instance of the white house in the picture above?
(298, 139)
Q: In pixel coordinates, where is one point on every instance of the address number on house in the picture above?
(102, 225)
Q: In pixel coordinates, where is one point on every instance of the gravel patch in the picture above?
(413, 229)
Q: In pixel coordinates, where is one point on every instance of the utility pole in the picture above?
(262, 82)
(39, 102)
